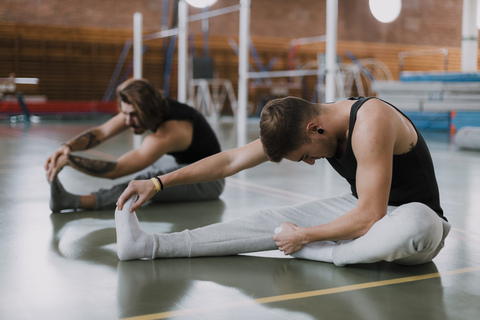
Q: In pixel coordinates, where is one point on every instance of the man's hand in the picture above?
(55, 163)
(144, 189)
(290, 239)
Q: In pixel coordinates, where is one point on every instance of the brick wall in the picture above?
(73, 46)
(425, 22)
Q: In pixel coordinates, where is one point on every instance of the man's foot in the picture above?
(132, 242)
(317, 251)
(60, 199)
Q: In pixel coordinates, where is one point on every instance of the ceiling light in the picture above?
(201, 3)
(385, 10)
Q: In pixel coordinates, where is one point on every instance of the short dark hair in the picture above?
(151, 107)
(282, 124)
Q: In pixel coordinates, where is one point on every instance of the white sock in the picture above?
(60, 198)
(132, 242)
(318, 251)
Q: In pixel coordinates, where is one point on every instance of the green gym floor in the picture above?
(64, 265)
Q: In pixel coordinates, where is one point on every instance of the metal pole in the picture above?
(213, 13)
(182, 50)
(331, 50)
(243, 72)
(469, 36)
(137, 45)
(205, 31)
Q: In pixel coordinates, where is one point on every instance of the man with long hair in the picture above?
(173, 128)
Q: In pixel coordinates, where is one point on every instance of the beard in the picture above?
(137, 129)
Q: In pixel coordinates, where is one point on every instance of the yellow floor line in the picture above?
(302, 295)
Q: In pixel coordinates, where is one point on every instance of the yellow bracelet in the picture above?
(157, 185)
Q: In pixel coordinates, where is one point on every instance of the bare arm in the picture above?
(93, 167)
(85, 140)
(172, 136)
(215, 167)
(92, 137)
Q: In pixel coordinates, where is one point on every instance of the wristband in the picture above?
(160, 182)
(155, 182)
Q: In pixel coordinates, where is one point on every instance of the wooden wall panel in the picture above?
(77, 63)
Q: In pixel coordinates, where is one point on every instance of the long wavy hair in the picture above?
(150, 105)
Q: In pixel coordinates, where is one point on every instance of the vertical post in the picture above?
(243, 72)
(137, 59)
(205, 31)
(331, 50)
(137, 45)
(469, 36)
(182, 50)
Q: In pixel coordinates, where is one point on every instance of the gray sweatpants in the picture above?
(107, 197)
(408, 234)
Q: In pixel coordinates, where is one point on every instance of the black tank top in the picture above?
(413, 178)
(204, 141)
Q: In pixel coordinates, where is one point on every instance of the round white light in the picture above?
(201, 3)
(385, 10)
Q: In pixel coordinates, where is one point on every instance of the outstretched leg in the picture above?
(132, 242)
(248, 233)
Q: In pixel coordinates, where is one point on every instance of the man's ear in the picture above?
(312, 127)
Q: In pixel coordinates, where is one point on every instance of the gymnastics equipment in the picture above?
(116, 72)
(244, 75)
(331, 51)
(469, 36)
(260, 66)
(362, 73)
(9, 86)
(416, 53)
(432, 91)
(207, 93)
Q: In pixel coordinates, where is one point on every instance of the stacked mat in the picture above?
(434, 96)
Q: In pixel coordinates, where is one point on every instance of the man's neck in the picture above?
(337, 117)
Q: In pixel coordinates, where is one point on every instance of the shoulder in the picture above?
(173, 128)
(176, 135)
(375, 125)
(376, 114)
(182, 111)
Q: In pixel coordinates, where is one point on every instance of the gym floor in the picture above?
(64, 265)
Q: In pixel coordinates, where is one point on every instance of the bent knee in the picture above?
(422, 225)
(417, 216)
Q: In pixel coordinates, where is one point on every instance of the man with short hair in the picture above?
(175, 129)
(392, 213)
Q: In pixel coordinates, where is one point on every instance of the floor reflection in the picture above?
(212, 288)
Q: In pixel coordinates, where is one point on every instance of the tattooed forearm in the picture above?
(95, 167)
(84, 141)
